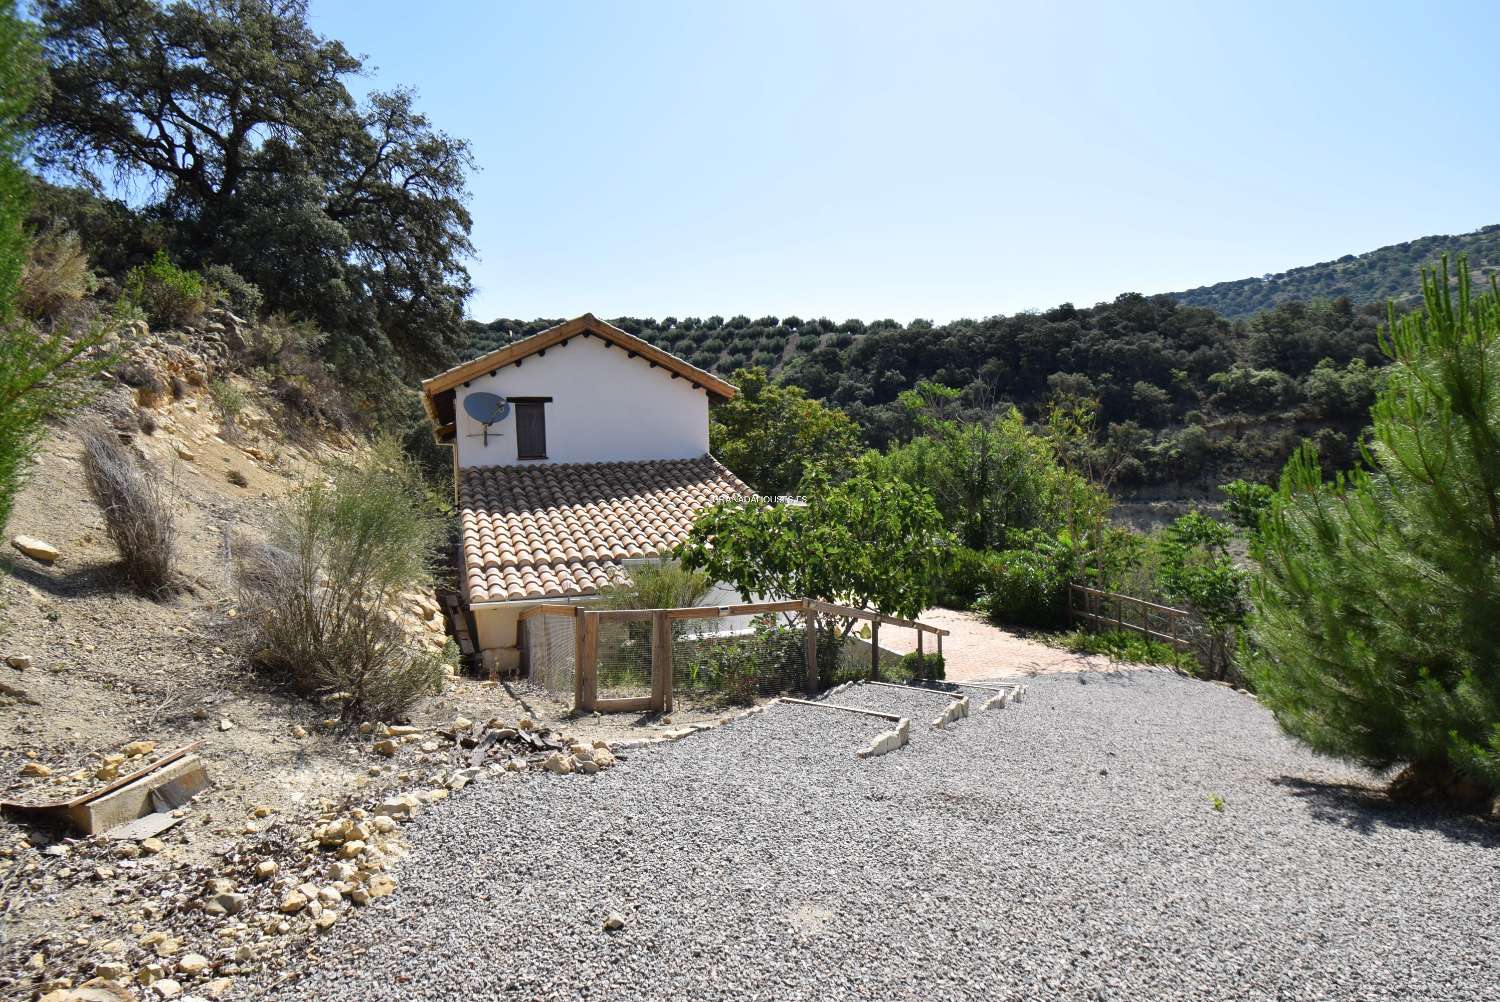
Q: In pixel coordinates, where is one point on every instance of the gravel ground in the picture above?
(1066, 848)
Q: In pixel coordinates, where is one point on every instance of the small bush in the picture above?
(964, 575)
(663, 585)
(137, 508)
(228, 288)
(41, 377)
(317, 601)
(281, 345)
(1029, 587)
(228, 399)
(170, 296)
(1127, 646)
(923, 667)
(237, 478)
(56, 277)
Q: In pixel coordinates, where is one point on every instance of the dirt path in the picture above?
(975, 649)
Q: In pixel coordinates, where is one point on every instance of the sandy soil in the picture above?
(976, 649)
(109, 667)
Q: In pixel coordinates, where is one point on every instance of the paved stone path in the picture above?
(976, 649)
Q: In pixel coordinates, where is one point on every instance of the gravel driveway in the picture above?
(1065, 848)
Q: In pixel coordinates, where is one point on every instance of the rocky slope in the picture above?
(96, 681)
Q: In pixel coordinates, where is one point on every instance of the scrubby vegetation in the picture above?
(315, 602)
(1388, 274)
(665, 584)
(42, 371)
(134, 497)
(1184, 395)
(1125, 646)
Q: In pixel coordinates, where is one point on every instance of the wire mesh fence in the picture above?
(624, 658)
(740, 658)
(639, 659)
(549, 643)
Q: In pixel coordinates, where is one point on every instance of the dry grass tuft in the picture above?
(137, 508)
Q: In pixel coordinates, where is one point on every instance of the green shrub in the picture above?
(317, 601)
(228, 399)
(1124, 645)
(137, 507)
(169, 296)
(923, 667)
(227, 288)
(665, 584)
(1029, 587)
(41, 377)
(964, 575)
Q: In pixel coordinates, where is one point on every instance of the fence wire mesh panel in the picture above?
(855, 659)
(624, 665)
(740, 658)
(551, 648)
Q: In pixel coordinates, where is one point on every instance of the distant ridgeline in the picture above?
(1392, 272)
(1188, 395)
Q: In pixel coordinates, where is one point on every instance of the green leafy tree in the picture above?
(866, 542)
(1246, 504)
(1196, 570)
(1377, 595)
(235, 116)
(769, 434)
(988, 477)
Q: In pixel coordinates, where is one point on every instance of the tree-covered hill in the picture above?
(1392, 272)
(1185, 395)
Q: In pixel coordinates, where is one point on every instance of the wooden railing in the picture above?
(1107, 610)
(586, 674)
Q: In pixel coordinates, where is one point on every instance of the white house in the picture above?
(600, 457)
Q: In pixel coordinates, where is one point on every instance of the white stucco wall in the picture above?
(605, 407)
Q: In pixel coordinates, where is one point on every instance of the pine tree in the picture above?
(1379, 597)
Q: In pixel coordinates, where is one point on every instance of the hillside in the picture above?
(97, 679)
(1185, 396)
(1194, 388)
(1373, 277)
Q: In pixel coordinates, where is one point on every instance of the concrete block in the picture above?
(958, 709)
(887, 741)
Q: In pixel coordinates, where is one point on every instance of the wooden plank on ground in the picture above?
(625, 704)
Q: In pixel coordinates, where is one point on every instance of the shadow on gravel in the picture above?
(1367, 811)
(1124, 676)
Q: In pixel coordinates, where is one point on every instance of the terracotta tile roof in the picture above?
(560, 530)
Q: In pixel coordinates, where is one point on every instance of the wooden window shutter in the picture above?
(531, 430)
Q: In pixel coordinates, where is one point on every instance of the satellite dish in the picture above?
(486, 408)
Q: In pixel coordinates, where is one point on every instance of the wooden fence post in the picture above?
(875, 650)
(921, 657)
(661, 662)
(578, 631)
(810, 645)
(586, 683)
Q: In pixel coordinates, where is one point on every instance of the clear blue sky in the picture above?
(939, 160)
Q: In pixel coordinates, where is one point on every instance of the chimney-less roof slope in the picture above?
(562, 530)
